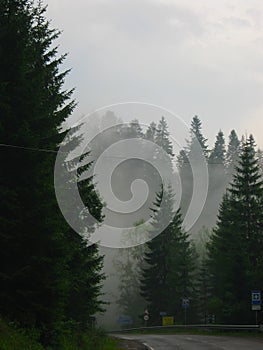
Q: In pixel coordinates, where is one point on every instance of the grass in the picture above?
(13, 338)
(199, 332)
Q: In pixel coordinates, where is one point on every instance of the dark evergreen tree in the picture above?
(84, 263)
(197, 136)
(260, 160)
(203, 287)
(217, 176)
(193, 155)
(32, 110)
(232, 154)
(166, 279)
(36, 265)
(162, 137)
(235, 251)
(203, 279)
(217, 155)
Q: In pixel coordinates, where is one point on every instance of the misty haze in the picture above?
(132, 174)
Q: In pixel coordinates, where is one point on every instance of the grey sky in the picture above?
(200, 57)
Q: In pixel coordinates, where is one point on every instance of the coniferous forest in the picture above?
(51, 279)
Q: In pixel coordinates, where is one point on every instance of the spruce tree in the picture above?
(36, 266)
(232, 154)
(84, 263)
(162, 137)
(217, 176)
(166, 278)
(260, 160)
(203, 286)
(33, 106)
(247, 192)
(197, 137)
(217, 155)
(235, 251)
(193, 155)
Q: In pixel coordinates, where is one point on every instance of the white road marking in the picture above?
(148, 346)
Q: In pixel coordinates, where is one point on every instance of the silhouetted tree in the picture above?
(167, 276)
(36, 266)
(235, 251)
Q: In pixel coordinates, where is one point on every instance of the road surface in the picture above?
(196, 342)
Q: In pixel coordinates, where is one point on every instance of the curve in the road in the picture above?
(197, 342)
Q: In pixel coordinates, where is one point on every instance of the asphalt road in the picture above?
(197, 342)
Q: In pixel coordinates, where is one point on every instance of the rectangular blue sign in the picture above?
(255, 297)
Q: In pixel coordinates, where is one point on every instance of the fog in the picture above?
(107, 128)
(189, 57)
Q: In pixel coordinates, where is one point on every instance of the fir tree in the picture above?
(217, 155)
(36, 267)
(260, 160)
(166, 279)
(162, 137)
(84, 263)
(197, 137)
(203, 287)
(33, 107)
(235, 251)
(193, 155)
(232, 154)
(217, 175)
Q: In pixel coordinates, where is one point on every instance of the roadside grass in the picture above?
(14, 338)
(207, 332)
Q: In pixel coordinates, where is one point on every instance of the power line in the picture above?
(108, 157)
(30, 148)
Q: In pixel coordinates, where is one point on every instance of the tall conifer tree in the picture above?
(36, 264)
(235, 251)
(166, 279)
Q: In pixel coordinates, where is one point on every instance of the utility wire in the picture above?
(30, 148)
(108, 157)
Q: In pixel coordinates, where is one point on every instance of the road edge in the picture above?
(148, 346)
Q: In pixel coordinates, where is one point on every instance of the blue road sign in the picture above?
(256, 297)
(185, 303)
(125, 319)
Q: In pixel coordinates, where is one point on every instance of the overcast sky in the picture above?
(201, 57)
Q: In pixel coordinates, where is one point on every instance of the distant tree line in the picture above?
(215, 268)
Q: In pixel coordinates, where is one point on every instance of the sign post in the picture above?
(185, 306)
(146, 317)
(256, 302)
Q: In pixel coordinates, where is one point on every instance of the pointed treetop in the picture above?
(162, 137)
(217, 155)
(247, 179)
(196, 133)
(233, 150)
